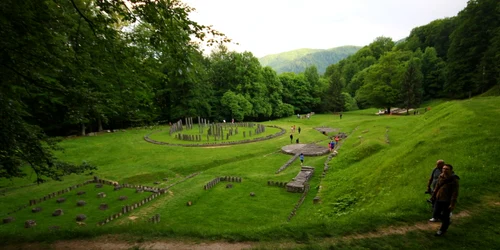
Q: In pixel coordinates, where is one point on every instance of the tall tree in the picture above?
(334, 100)
(470, 70)
(433, 69)
(411, 87)
(383, 80)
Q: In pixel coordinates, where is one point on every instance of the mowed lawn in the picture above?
(377, 180)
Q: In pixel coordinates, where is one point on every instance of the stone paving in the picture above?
(306, 149)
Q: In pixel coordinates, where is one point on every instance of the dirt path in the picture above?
(110, 242)
(114, 242)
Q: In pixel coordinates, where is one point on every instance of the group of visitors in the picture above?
(443, 188)
(333, 142)
(292, 129)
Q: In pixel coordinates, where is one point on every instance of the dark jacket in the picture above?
(446, 189)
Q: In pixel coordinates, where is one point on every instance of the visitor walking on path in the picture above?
(291, 138)
(445, 198)
(337, 140)
(301, 156)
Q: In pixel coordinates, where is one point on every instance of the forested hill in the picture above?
(298, 60)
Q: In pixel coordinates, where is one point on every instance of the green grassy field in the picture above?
(376, 181)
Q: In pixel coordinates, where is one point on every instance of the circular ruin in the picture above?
(218, 143)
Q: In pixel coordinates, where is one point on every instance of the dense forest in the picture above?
(77, 66)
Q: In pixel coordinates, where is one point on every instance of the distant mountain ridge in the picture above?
(298, 60)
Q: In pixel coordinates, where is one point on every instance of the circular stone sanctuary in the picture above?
(208, 134)
(306, 149)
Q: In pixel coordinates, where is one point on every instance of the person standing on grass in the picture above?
(445, 198)
(340, 115)
(337, 140)
(433, 179)
(291, 138)
(301, 156)
(299, 130)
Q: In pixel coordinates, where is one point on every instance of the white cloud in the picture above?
(272, 26)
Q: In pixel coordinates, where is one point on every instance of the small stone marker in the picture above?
(80, 192)
(81, 217)
(189, 203)
(36, 209)
(58, 212)
(98, 185)
(81, 203)
(229, 185)
(29, 223)
(61, 200)
(139, 190)
(157, 182)
(316, 200)
(122, 198)
(117, 187)
(252, 194)
(8, 220)
(165, 179)
(103, 206)
(101, 195)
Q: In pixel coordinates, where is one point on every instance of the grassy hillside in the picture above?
(298, 60)
(376, 182)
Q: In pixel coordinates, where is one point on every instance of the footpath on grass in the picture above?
(118, 242)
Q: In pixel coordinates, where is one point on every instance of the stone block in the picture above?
(58, 212)
(81, 217)
(29, 223)
(8, 220)
(36, 209)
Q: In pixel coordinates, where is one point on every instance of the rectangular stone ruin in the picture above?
(299, 182)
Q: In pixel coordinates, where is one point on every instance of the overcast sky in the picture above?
(272, 26)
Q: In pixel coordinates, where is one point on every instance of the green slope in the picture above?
(377, 181)
(297, 60)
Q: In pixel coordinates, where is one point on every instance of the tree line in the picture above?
(77, 66)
